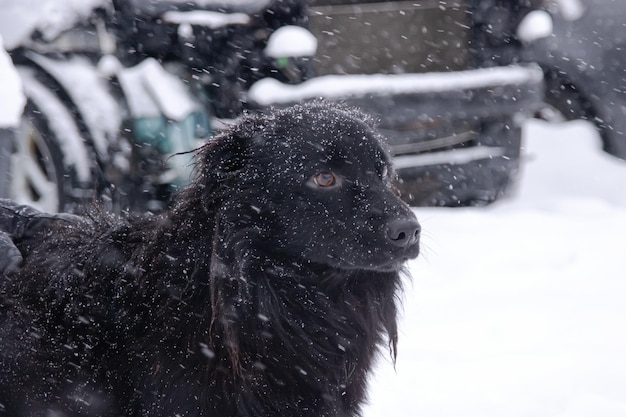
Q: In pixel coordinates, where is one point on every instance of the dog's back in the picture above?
(58, 324)
(84, 322)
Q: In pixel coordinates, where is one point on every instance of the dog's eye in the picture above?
(325, 179)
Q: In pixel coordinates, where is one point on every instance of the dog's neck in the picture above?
(330, 322)
(238, 274)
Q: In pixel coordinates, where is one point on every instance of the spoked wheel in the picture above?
(36, 172)
(51, 167)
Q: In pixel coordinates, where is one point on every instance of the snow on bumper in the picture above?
(269, 91)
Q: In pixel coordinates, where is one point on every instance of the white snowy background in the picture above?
(519, 309)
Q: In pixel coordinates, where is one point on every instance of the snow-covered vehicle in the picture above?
(579, 45)
(115, 88)
(426, 70)
(584, 63)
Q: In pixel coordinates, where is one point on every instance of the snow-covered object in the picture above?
(12, 98)
(291, 41)
(212, 20)
(185, 31)
(571, 9)
(61, 122)
(253, 5)
(459, 156)
(109, 66)
(20, 18)
(536, 25)
(151, 91)
(268, 90)
(89, 91)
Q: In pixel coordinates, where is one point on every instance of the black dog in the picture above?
(266, 290)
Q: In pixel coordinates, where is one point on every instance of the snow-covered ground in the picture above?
(519, 309)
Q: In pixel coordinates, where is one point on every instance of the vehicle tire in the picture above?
(566, 98)
(51, 167)
(572, 104)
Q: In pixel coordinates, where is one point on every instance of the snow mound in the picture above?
(516, 309)
(291, 41)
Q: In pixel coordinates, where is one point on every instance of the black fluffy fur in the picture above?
(257, 294)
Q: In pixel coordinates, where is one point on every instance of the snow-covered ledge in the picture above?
(270, 91)
(213, 20)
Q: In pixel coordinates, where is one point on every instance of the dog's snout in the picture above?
(403, 232)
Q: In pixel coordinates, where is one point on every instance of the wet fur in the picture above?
(246, 298)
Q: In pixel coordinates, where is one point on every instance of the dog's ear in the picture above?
(221, 157)
(220, 160)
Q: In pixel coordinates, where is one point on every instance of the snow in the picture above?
(89, 90)
(571, 9)
(518, 309)
(60, 121)
(535, 25)
(213, 20)
(12, 98)
(20, 18)
(150, 91)
(253, 4)
(271, 91)
(459, 156)
(291, 41)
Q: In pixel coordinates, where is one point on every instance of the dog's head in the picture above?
(311, 182)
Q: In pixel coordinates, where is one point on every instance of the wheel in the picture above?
(51, 168)
(35, 168)
(565, 97)
(572, 104)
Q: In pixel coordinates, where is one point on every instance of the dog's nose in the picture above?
(403, 232)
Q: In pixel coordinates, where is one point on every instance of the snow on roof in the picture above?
(270, 91)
